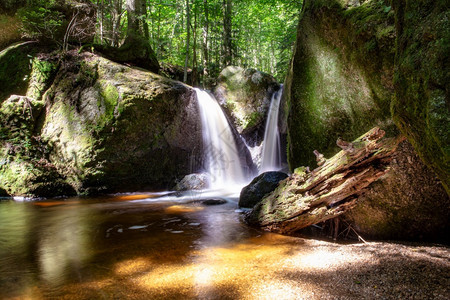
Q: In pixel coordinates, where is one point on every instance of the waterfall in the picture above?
(271, 151)
(221, 157)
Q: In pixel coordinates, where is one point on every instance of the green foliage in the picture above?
(41, 21)
(263, 32)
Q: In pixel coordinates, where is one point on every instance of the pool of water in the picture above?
(135, 244)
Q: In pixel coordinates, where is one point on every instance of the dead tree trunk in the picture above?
(306, 198)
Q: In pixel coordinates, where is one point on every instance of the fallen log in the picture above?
(306, 198)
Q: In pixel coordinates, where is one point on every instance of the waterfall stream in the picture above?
(271, 152)
(221, 157)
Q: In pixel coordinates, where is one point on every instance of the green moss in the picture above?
(420, 107)
(252, 120)
(42, 73)
(340, 85)
(15, 69)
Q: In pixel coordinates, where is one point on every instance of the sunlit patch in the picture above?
(52, 203)
(134, 197)
(168, 277)
(179, 209)
(134, 266)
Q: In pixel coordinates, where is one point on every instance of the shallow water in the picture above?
(76, 246)
(144, 246)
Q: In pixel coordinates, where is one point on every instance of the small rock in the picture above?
(259, 187)
(192, 182)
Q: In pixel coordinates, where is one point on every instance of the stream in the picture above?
(155, 246)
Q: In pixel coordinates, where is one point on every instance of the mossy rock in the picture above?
(23, 70)
(340, 83)
(422, 80)
(119, 128)
(106, 127)
(22, 177)
(245, 95)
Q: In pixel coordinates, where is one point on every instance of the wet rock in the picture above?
(210, 202)
(245, 94)
(193, 182)
(3, 193)
(259, 187)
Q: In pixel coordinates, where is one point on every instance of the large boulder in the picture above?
(422, 80)
(245, 94)
(24, 167)
(259, 187)
(105, 127)
(341, 82)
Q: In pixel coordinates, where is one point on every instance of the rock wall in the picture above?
(102, 127)
(345, 77)
(421, 107)
(340, 81)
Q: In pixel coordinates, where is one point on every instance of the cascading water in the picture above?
(271, 152)
(220, 152)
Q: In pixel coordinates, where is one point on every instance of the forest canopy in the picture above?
(202, 36)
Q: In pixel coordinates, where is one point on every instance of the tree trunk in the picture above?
(188, 28)
(136, 48)
(306, 198)
(194, 78)
(205, 61)
(227, 42)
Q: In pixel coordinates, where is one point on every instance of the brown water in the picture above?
(123, 247)
(112, 247)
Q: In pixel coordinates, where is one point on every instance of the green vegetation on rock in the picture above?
(421, 106)
(339, 81)
(245, 94)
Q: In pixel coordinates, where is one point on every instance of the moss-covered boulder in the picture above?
(421, 107)
(105, 127)
(340, 81)
(24, 166)
(245, 94)
(345, 76)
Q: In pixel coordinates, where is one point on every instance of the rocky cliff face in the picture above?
(95, 125)
(344, 79)
(340, 82)
(421, 107)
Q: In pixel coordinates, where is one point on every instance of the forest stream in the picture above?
(153, 246)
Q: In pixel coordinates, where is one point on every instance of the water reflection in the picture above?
(64, 244)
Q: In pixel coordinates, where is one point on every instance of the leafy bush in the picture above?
(41, 21)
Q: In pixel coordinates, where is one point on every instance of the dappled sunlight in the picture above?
(168, 250)
(180, 209)
(133, 266)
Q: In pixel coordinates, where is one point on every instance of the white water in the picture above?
(271, 152)
(221, 157)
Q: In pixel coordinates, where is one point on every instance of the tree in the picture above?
(227, 41)
(188, 29)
